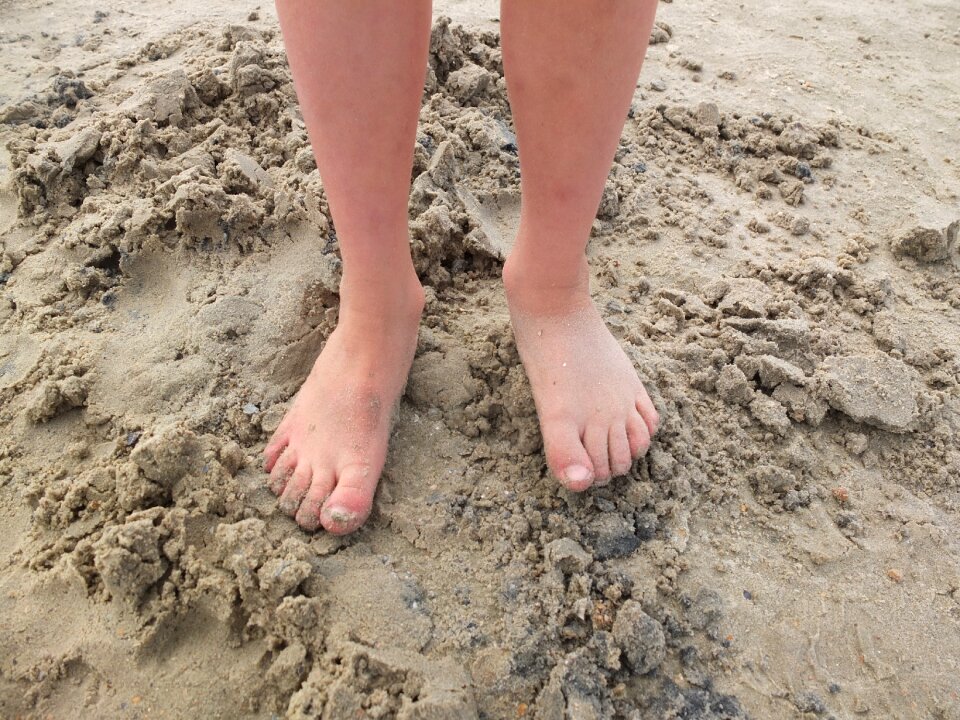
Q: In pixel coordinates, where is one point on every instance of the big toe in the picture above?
(350, 502)
(567, 458)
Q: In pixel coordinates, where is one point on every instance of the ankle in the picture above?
(538, 287)
(391, 294)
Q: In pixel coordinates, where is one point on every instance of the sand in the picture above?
(776, 248)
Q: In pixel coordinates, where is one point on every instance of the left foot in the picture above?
(595, 415)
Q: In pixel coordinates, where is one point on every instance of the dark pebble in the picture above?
(810, 702)
(646, 526)
(612, 536)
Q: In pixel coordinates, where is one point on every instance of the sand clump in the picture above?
(173, 269)
(927, 245)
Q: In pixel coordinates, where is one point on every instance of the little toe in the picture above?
(648, 412)
(282, 470)
(595, 440)
(567, 458)
(638, 434)
(351, 500)
(296, 489)
(619, 444)
(321, 485)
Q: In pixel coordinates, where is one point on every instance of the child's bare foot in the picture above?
(326, 455)
(595, 414)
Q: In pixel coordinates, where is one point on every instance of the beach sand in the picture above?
(776, 248)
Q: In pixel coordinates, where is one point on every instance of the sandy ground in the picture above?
(776, 248)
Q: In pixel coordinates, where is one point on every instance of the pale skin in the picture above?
(358, 67)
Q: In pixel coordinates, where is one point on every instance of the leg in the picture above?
(571, 69)
(350, 60)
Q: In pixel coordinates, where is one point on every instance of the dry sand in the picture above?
(774, 248)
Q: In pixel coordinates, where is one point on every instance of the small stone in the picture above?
(250, 409)
(612, 536)
(810, 702)
(640, 637)
(841, 495)
(658, 86)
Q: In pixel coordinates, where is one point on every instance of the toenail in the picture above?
(576, 473)
(341, 516)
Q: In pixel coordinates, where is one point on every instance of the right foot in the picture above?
(326, 455)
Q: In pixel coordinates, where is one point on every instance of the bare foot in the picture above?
(595, 415)
(326, 456)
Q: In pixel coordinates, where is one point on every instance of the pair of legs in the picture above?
(358, 68)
